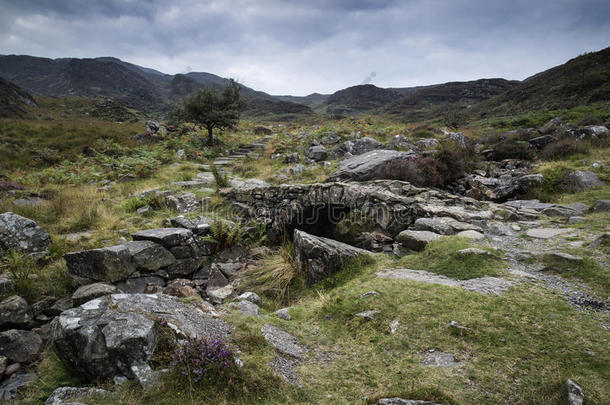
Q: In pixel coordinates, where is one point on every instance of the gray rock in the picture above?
(579, 180)
(29, 201)
(291, 158)
(321, 257)
(485, 285)
(546, 233)
(250, 296)
(15, 312)
(145, 210)
(283, 313)
(216, 280)
(317, 153)
(427, 143)
(377, 164)
(394, 326)
(286, 368)
(576, 219)
(248, 184)
(63, 395)
(602, 240)
(440, 359)
(220, 295)
(282, 341)
(565, 257)
(575, 393)
(416, 240)
(517, 186)
(592, 132)
(472, 235)
(108, 264)
(7, 286)
(149, 256)
(552, 126)
(20, 346)
(140, 285)
(116, 336)
(23, 235)
(296, 169)
(541, 141)
(601, 206)
(228, 269)
(436, 225)
(330, 139)
(91, 291)
(246, 307)
(199, 226)
(168, 237)
(363, 145)
(401, 142)
(368, 315)
(474, 251)
(369, 294)
(183, 203)
(400, 401)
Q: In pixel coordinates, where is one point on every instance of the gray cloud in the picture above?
(290, 47)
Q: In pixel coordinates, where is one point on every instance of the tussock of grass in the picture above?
(441, 257)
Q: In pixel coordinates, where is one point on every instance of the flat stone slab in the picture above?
(439, 359)
(287, 369)
(547, 233)
(282, 341)
(485, 285)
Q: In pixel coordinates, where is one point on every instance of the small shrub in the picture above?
(512, 149)
(564, 148)
(20, 267)
(221, 180)
(205, 361)
(226, 234)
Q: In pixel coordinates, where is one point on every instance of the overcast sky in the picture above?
(304, 46)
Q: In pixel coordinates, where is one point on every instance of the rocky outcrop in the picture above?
(20, 346)
(15, 312)
(116, 335)
(355, 147)
(155, 255)
(317, 153)
(321, 257)
(579, 180)
(374, 165)
(23, 235)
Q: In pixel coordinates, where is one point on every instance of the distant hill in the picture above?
(366, 97)
(142, 88)
(582, 80)
(13, 100)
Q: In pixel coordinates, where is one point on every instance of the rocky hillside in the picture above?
(582, 80)
(14, 100)
(142, 88)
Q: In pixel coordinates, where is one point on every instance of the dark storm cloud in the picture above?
(287, 46)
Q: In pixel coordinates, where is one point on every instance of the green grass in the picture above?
(441, 257)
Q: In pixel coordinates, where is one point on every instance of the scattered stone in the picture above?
(15, 312)
(601, 206)
(401, 142)
(286, 368)
(220, 295)
(602, 240)
(246, 307)
(368, 315)
(485, 285)
(9, 388)
(565, 257)
(23, 235)
(91, 291)
(145, 210)
(291, 158)
(547, 233)
(474, 251)
(150, 256)
(472, 235)
(369, 294)
(439, 359)
(436, 225)
(250, 296)
(283, 314)
(394, 326)
(317, 153)
(400, 401)
(183, 203)
(575, 393)
(108, 336)
(416, 240)
(282, 341)
(458, 329)
(64, 395)
(576, 220)
(579, 180)
(20, 346)
(321, 257)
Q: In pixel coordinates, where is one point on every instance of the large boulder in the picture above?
(321, 257)
(108, 264)
(115, 336)
(23, 235)
(416, 240)
(601, 206)
(592, 132)
(517, 186)
(401, 142)
(20, 346)
(15, 312)
(579, 180)
(317, 153)
(374, 165)
(356, 147)
(149, 256)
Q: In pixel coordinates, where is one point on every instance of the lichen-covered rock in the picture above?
(63, 395)
(108, 264)
(149, 256)
(23, 235)
(168, 237)
(116, 335)
(416, 240)
(321, 257)
(579, 180)
(317, 153)
(15, 312)
(92, 291)
(20, 346)
(373, 165)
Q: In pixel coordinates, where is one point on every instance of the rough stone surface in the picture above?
(321, 257)
(436, 225)
(283, 313)
(62, 395)
(601, 206)
(575, 393)
(20, 346)
(105, 337)
(282, 341)
(149, 256)
(109, 264)
(416, 240)
(400, 401)
(246, 307)
(546, 233)
(15, 312)
(439, 359)
(286, 368)
(486, 285)
(220, 295)
(473, 235)
(168, 237)
(250, 296)
(317, 153)
(579, 180)
(374, 165)
(23, 235)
